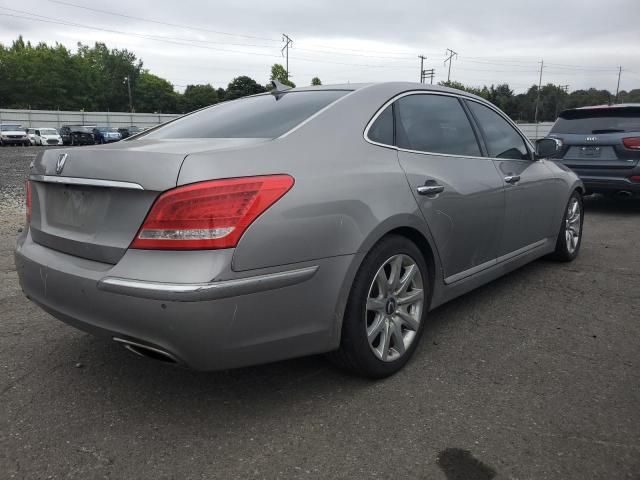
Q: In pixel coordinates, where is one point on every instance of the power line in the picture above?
(158, 38)
(188, 27)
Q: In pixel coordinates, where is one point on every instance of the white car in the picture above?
(46, 136)
(13, 134)
(31, 133)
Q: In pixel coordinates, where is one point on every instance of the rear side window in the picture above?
(502, 140)
(263, 116)
(598, 120)
(382, 129)
(434, 123)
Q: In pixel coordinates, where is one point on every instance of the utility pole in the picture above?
(535, 117)
(618, 87)
(451, 54)
(422, 59)
(285, 50)
(429, 74)
(126, 79)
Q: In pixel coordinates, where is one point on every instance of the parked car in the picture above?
(45, 136)
(13, 134)
(129, 131)
(296, 222)
(106, 134)
(602, 145)
(77, 134)
(31, 133)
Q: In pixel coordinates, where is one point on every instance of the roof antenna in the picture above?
(278, 88)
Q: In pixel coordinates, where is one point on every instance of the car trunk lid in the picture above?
(90, 202)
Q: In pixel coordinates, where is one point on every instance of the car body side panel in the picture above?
(530, 204)
(465, 240)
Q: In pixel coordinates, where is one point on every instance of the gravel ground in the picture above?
(535, 376)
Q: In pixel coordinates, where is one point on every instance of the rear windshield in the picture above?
(263, 116)
(598, 120)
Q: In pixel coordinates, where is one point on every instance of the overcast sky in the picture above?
(582, 42)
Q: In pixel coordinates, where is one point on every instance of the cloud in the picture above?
(339, 41)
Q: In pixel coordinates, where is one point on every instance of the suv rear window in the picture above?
(262, 116)
(598, 120)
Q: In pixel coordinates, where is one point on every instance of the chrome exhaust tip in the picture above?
(625, 194)
(147, 351)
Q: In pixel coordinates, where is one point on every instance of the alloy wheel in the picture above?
(394, 307)
(573, 225)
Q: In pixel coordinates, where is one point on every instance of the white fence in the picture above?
(57, 118)
(534, 131)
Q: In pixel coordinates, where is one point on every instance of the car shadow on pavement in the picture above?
(611, 205)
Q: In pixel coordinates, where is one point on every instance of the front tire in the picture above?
(570, 236)
(386, 310)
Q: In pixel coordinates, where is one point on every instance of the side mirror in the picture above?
(548, 147)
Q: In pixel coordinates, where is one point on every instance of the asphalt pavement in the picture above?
(535, 376)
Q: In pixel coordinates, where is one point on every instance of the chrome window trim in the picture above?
(89, 182)
(400, 149)
(446, 94)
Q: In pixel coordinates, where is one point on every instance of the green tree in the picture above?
(316, 81)
(278, 72)
(243, 86)
(154, 94)
(198, 96)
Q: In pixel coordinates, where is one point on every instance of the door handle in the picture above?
(512, 179)
(430, 189)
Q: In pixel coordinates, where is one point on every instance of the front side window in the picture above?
(436, 124)
(262, 116)
(501, 138)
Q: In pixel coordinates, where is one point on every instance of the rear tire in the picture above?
(570, 236)
(386, 310)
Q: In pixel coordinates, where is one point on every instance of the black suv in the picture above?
(602, 145)
(77, 135)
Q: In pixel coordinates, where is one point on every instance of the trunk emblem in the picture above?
(591, 139)
(62, 158)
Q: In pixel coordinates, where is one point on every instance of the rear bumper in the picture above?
(261, 317)
(609, 180)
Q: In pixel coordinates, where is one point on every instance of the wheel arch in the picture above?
(408, 226)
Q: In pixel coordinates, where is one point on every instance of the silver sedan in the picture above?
(311, 220)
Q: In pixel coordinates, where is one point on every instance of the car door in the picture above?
(459, 191)
(532, 193)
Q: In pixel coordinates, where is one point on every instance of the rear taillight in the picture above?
(632, 143)
(635, 178)
(27, 187)
(209, 215)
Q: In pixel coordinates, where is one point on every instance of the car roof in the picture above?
(393, 88)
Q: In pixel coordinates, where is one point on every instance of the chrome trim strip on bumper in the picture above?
(196, 292)
(89, 182)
